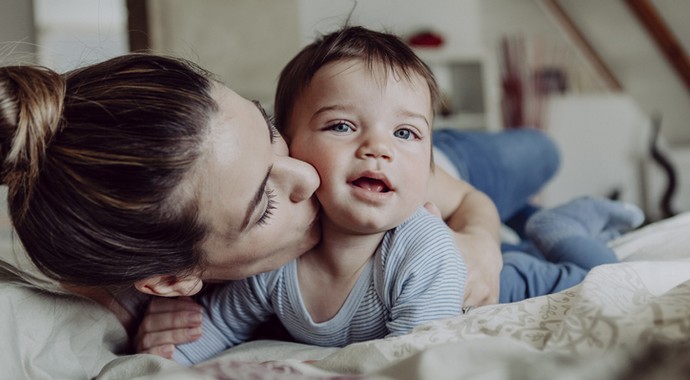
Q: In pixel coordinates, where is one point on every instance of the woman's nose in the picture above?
(299, 178)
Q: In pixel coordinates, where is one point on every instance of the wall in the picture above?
(73, 33)
(619, 39)
(646, 77)
(16, 30)
(245, 42)
(457, 19)
(638, 63)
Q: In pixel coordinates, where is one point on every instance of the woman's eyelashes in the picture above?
(271, 204)
(275, 134)
(270, 122)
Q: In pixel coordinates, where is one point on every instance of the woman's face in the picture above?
(257, 201)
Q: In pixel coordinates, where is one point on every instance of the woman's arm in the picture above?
(474, 219)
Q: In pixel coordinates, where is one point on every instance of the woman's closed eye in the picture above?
(275, 134)
(270, 206)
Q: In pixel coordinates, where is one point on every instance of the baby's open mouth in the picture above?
(371, 184)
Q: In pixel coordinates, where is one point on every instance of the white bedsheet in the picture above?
(593, 328)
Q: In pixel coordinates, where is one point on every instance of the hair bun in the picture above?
(31, 103)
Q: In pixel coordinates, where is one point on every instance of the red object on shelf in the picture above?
(425, 39)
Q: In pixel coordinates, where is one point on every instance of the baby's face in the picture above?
(368, 134)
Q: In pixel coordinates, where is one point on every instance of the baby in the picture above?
(363, 118)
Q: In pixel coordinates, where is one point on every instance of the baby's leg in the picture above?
(577, 231)
(525, 276)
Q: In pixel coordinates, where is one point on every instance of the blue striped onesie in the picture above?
(415, 276)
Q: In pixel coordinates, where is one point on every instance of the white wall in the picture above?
(245, 42)
(603, 140)
(17, 35)
(635, 59)
(458, 20)
(74, 33)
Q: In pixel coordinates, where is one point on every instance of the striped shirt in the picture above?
(415, 276)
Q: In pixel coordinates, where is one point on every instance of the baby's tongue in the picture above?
(370, 184)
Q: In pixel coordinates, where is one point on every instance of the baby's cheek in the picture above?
(299, 151)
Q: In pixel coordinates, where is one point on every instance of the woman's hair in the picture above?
(94, 161)
(350, 42)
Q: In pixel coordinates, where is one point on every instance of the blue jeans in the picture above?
(525, 276)
(509, 166)
(512, 166)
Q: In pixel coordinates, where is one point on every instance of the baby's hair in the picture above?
(376, 49)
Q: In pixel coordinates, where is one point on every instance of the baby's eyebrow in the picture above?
(335, 107)
(416, 116)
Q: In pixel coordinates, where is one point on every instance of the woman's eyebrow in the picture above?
(255, 200)
(266, 118)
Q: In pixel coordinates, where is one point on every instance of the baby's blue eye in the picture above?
(340, 127)
(405, 134)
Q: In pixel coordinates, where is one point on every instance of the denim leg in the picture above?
(510, 166)
(585, 251)
(524, 276)
(525, 246)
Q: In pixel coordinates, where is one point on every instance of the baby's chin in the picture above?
(367, 227)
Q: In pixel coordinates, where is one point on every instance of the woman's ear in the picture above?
(170, 285)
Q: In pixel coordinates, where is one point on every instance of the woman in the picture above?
(144, 170)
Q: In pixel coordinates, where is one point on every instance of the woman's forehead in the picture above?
(237, 157)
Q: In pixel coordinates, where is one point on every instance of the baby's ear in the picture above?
(170, 285)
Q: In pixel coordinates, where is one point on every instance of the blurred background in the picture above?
(609, 80)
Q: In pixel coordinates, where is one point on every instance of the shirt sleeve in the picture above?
(231, 313)
(427, 274)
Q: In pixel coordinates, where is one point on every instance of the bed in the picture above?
(620, 316)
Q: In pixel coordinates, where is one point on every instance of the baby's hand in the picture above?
(168, 322)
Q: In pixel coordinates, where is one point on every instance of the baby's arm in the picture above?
(426, 278)
(474, 219)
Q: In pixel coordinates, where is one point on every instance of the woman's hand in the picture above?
(484, 263)
(474, 220)
(168, 322)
